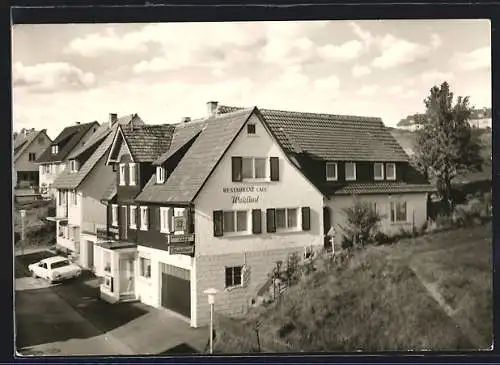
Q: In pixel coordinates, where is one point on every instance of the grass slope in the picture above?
(377, 302)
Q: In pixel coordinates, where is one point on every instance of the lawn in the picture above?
(380, 299)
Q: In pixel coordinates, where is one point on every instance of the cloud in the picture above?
(397, 51)
(434, 77)
(477, 59)
(330, 83)
(51, 76)
(359, 71)
(362, 34)
(347, 51)
(368, 90)
(435, 41)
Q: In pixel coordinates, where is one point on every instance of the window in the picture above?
(251, 128)
(75, 197)
(145, 267)
(378, 171)
(107, 261)
(32, 156)
(331, 171)
(253, 168)
(144, 218)
(235, 221)
(73, 165)
(286, 218)
(122, 174)
(114, 215)
(390, 170)
(133, 217)
(398, 211)
(160, 175)
(55, 149)
(132, 172)
(233, 276)
(350, 171)
(164, 220)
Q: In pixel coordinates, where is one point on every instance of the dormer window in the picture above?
(55, 149)
(378, 171)
(350, 171)
(390, 170)
(251, 128)
(73, 165)
(160, 174)
(331, 171)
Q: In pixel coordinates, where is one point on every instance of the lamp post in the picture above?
(211, 300)
(23, 214)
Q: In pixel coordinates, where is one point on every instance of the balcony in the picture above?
(61, 214)
(181, 244)
(92, 228)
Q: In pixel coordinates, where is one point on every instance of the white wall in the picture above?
(416, 209)
(291, 191)
(38, 146)
(75, 211)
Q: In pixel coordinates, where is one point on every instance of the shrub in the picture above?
(381, 238)
(444, 221)
(361, 223)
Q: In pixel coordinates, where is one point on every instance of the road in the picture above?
(69, 318)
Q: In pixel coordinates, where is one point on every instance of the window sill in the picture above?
(232, 288)
(132, 227)
(256, 180)
(122, 184)
(379, 179)
(114, 224)
(391, 179)
(237, 234)
(144, 228)
(400, 223)
(347, 179)
(134, 184)
(331, 179)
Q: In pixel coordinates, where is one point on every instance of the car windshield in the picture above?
(58, 264)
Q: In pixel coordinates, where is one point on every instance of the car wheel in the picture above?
(33, 275)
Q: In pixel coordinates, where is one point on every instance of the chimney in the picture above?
(186, 120)
(113, 118)
(212, 108)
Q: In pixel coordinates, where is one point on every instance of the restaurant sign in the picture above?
(181, 249)
(250, 194)
(181, 238)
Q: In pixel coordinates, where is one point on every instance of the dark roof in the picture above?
(383, 187)
(183, 133)
(110, 191)
(102, 132)
(147, 142)
(199, 161)
(22, 141)
(67, 140)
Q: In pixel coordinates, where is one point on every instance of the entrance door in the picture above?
(327, 224)
(176, 289)
(126, 275)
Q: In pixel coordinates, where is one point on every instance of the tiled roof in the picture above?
(71, 180)
(22, 142)
(110, 191)
(103, 131)
(331, 137)
(147, 142)
(183, 133)
(67, 140)
(383, 188)
(200, 160)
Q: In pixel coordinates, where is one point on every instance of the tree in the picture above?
(445, 145)
(362, 222)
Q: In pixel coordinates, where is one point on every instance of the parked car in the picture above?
(56, 268)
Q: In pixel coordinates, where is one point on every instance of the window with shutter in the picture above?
(306, 218)
(271, 220)
(275, 168)
(256, 221)
(237, 167)
(218, 223)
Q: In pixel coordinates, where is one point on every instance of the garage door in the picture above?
(176, 289)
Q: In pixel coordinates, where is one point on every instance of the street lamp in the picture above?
(23, 214)
(211, 300)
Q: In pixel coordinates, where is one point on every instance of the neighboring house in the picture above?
(53, 159)
(79, 211)
(481, 118)
(236, 192)
(28, 145)
(411, 123)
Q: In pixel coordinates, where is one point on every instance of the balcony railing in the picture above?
(92, 228)
(181, 244)
(107, 234)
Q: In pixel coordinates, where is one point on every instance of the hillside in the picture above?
(406, 296)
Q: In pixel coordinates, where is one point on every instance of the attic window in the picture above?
(331, 171)
(250, 128)
(378, 171)
(160, 174)
(390, 170)
(350, 171)
(55, 149)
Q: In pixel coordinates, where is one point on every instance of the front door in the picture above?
(126, 275)
(176, 289)
(327, 225)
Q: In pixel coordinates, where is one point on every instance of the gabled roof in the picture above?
(23, 141)
(102, 133)
(67, 141)
(199, 161)
(183, 133)
(71, 180)
(147, 142)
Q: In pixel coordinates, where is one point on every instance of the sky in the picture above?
(69, 73)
